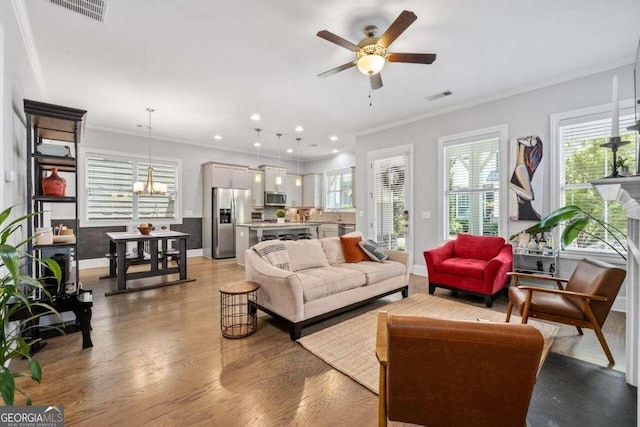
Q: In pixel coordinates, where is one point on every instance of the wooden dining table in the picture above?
(158, 260)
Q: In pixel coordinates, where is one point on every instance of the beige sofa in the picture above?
(315, 282)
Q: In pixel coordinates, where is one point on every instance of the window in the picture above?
(470, 184)
(108, 197)
(339, 189)
(579, 136)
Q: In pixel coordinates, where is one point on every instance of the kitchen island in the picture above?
(248, 235)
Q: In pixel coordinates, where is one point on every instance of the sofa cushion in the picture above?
(376, 271)
(274, 253)
(332, 250)
(466, 267)
(305, 254)
(352, 250)
(374, 251)
(477, 247)
(324, 281)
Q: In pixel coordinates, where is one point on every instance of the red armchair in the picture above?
(474, 264)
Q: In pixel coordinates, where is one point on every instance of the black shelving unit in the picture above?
(58, 126)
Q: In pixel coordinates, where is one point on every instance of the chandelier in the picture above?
(149, 187)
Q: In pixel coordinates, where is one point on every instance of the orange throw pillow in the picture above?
(352, 250)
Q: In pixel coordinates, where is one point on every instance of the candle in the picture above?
(615, 121)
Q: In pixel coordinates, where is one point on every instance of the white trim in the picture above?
(503, 94)
(420, 270)
(24, 24)
(82, 174)
(443, 141)
(104, 262)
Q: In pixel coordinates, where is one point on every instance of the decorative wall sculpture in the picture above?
(525, 201)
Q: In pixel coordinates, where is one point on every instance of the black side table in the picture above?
(239, 309)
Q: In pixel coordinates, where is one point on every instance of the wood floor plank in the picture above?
(159, 359)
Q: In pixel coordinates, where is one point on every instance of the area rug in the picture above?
(350, 346)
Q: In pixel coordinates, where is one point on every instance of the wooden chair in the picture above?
(585, 302)
(455, 373)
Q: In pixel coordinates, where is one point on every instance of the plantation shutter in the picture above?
(390, 201)
(109, 187)
(473, 186)
(583, 159)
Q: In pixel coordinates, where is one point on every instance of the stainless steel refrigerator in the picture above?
(230, 207)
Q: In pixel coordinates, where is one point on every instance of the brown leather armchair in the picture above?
(455, 373)
(585, 302)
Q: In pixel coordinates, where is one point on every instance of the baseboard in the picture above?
(420, 270)
(620, 304)
(104, 262)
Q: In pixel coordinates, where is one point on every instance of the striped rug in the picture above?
(349, 346)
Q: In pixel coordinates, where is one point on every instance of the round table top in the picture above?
(240, 287)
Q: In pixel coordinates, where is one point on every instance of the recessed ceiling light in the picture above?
(255, 116)
(256, 144)
(333, 138)
(289, 150)
(299, 128)
(218, 137)
(335, 150)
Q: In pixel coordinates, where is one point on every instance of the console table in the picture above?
(158, 262)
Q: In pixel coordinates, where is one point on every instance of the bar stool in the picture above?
(285, 236)
(268, 237)
(304, 236)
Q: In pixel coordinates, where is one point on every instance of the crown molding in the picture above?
(20, 10)
(503, 94)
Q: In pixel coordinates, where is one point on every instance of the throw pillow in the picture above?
(273, 253)
(352, 250)
(373, 250)
(304, 254)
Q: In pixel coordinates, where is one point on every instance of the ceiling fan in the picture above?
(372, 51)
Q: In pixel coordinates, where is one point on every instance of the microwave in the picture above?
(274, 198)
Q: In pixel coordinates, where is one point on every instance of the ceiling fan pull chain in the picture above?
(370, 98)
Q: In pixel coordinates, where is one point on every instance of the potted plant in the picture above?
(622, 166)
(280, 213)
(15, 295)
(577, 221)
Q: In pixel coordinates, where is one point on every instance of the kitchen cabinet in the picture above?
(271, 174)
(294, 192)
(257, 188)
(229, 176)
(312, 190)
(353, 186)
(328, 230)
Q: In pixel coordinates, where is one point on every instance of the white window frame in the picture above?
(326, 186)
(463, 138)
(557, 171)
(82, 197)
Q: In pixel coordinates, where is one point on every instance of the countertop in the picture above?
(297, 224)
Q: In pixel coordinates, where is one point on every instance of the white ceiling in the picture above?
(207, 66)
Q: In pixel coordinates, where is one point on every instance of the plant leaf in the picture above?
(563, 214)
(572, 230)
(9, 256)
(7, 386)
(36, 370)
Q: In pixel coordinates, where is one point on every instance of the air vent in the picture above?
(439, 95)
(94, 9)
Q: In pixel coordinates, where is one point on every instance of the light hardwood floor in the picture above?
(159, 359)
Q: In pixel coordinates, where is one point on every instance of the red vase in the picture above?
(54, 184)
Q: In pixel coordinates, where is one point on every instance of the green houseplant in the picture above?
(15, 291)
(576, 221)
(280, 214)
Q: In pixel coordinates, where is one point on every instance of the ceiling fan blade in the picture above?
(398, 27)
(415, 58)
(376, 81)
(338, 69)
(330, 37)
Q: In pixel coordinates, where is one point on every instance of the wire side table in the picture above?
(239, 309)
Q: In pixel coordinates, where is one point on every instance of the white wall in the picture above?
(343, 160)
(192, 157)
(525, 114)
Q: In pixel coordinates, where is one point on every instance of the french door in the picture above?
(390, 197)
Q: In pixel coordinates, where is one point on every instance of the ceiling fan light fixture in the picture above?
(371, 64)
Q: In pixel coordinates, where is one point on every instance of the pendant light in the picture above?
(258, 177)
(278, 177)
(298, 177)
(149, 187)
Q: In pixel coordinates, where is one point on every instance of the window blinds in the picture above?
(390, 201)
